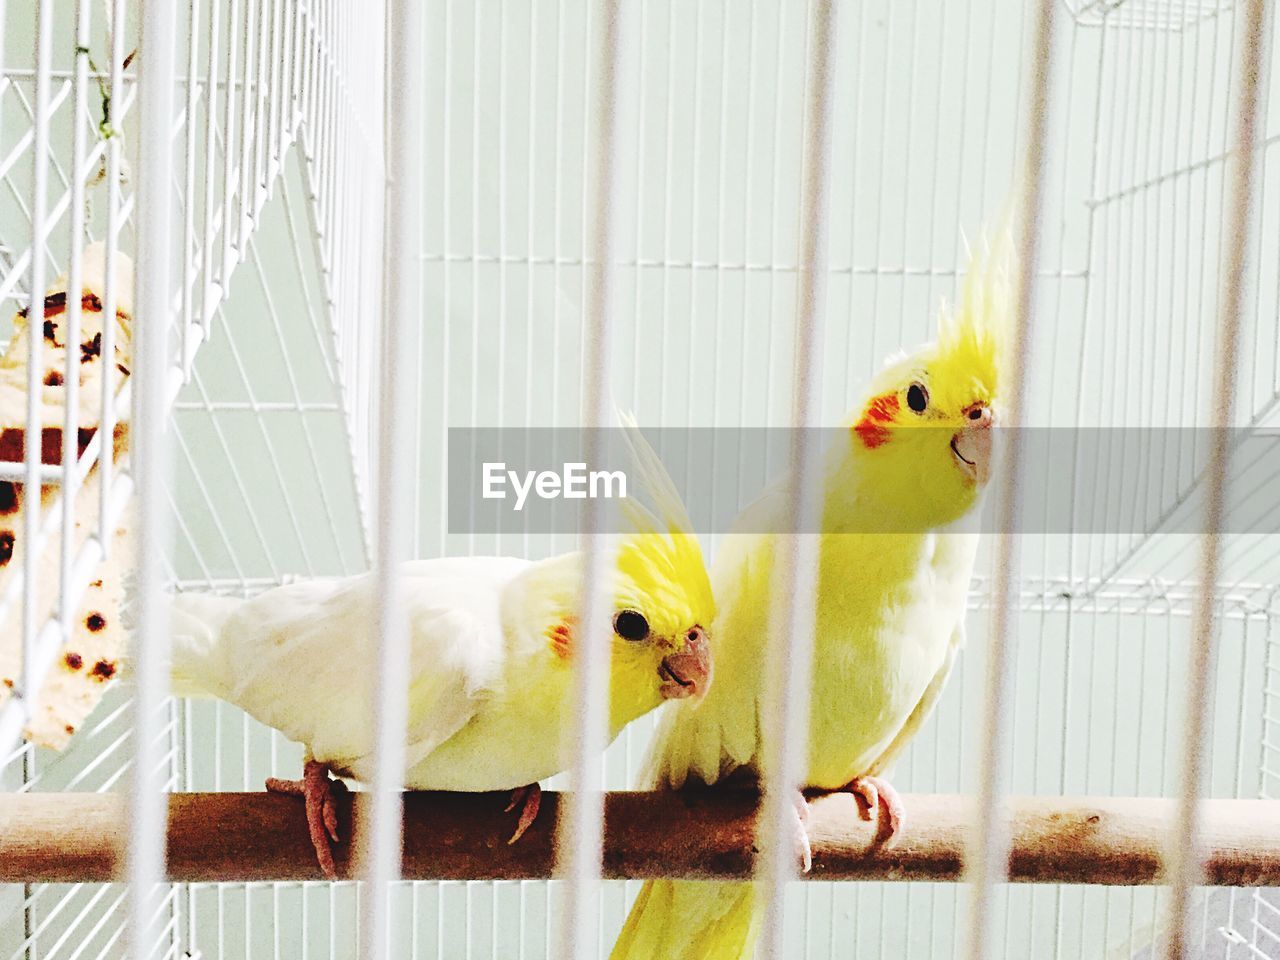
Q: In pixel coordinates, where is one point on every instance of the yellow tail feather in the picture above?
(689, 920)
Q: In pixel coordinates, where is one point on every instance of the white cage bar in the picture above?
(580, 834)
(1186, 867)
(989, 852)
(389, 695)
(790, 666)
(146, 865)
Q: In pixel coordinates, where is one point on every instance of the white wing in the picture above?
(301, 658)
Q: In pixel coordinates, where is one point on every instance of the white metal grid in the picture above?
(1258, 923)
(692, 271)
(263, 114)
(268, 107)
(1143, 14)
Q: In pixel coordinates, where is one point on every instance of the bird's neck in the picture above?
(863, 532)
(852, 498)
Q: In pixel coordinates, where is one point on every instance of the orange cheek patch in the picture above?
(561, 637)
(873, 429)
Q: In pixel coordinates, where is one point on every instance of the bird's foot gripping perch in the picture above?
(317, 791)
(803, 848)
(877, 800)
(528, 799)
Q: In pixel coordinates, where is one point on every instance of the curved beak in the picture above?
(971, 448)
(688, 672)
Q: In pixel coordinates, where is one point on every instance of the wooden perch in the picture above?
(67, 837)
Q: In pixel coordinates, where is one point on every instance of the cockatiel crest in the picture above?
(926, 478)
(661, 558)
(659, 592)
(972, 336)
(969, 354)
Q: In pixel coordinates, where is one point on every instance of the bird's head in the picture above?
(662, 606)
(661, 602)
(922, 437)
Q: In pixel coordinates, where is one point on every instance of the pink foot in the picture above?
(877, 800)
(528, 799)
(317, 792)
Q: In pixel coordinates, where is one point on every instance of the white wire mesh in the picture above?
(273, 396)
(1144, 14)
(236, 166)
(1258, 923)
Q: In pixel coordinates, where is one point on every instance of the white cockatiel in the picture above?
(490, 668)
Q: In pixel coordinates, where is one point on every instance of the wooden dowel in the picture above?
(238, 837)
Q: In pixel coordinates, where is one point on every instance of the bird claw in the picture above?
(528, 798)
(879, 801)
(318, 792)
(329, 807)
(803, 847)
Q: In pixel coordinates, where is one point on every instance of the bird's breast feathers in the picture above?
(879, 646)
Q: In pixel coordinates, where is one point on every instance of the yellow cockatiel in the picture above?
(490, 668)
(894, 572)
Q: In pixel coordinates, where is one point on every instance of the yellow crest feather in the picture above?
(662, 558)
(971, 337)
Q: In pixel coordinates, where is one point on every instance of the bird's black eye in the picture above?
(917, 397)
(630, 625)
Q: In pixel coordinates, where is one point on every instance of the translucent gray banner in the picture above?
(1122, 480)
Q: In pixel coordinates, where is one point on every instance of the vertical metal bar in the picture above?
(289, 107)
(531, 194)
(473, 375)
(336, 128)
(326, 128)
(669, 168)
(318, 78)
(71, 330)
(795, 573)
(35, 341)
(389, 697)
(147, 811)
(1185, 859)
(106, 462)
(30, 915)
(170, 771)
(189, 191)
(1097, 236)
(261, 92)
(208, 297)
(228, 149)
(504, 111)
(305, 85)
(309, 84)
(580, 835)
(269, 162)
(279, 89)
(297, 54)
(987, 861)
(248, 124)
(446, 292)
